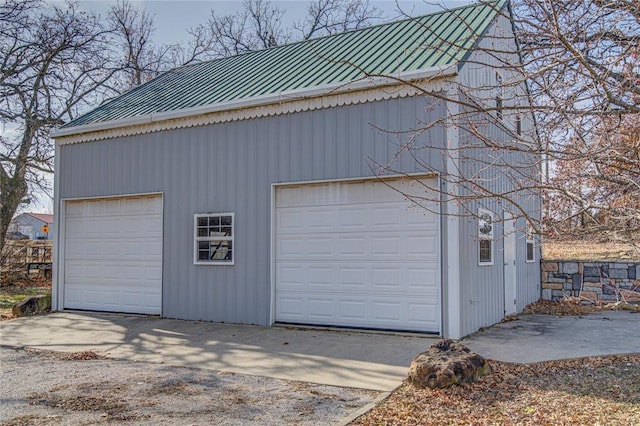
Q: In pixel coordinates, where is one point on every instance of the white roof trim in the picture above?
(366, 90)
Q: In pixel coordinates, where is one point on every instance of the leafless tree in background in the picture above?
(325, 17)
(576, 72)
(259, 24)
(133, 29)
(54, 62)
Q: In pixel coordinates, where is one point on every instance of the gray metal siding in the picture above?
(230, 167)
(482, 287)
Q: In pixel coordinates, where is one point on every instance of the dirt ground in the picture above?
(84, 388)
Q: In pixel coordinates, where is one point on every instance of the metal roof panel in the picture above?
(439, 39)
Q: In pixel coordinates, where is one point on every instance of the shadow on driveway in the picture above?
(377, 361)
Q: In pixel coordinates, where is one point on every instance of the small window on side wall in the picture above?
(531, 254)
(485, 237)
(213, 239)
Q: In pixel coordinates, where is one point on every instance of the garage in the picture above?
(112, 258)
(357, 254)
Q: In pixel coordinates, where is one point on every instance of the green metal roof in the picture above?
(436, 40)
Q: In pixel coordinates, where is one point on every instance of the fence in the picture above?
(27, 256)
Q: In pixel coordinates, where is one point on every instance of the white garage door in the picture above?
(113, 255)
(357, 254)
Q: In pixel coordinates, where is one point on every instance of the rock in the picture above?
(570, 268)
(32, 305)
(446, 363)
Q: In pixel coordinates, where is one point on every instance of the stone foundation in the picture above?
(591, 281)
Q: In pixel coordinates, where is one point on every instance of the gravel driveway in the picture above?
(52, 388)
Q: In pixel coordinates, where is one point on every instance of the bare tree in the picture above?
(573, 69)
(259, 24)
(53, 64)
(138, 55)
(326, 17)
(134, 27)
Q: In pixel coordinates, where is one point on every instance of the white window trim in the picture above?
(529, 239)
(481, 213)
(197, 239)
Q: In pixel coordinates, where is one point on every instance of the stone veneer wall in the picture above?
(591, 281)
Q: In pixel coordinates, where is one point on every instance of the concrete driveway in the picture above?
(377, 361)
(536, 338)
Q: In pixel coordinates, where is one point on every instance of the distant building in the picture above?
(34, 226)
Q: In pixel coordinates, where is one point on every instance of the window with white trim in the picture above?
(531, 254)
(485, 237)
(213, 238)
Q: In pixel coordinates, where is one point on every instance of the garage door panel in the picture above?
(113, 255)
(367, 312)
(353, 246)
(347, 277)
(375, 263)
(394, 217)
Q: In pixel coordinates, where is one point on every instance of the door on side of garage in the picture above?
(357, 254)
(113, 254)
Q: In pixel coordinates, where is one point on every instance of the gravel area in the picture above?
(51, 388)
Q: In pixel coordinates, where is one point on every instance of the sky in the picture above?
(174, 17)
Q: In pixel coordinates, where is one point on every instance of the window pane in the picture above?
(226, 231)
(214, 221)
(202, 232)
(530, 251)
(226, 220)
(203, 221)
(485, 251)
(221, 250)
(203, 254)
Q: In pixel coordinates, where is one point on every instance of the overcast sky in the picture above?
(174, 17)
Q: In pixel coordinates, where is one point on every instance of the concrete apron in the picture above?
(537, 338)
(377, 361)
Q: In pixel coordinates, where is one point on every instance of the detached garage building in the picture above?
(245, 189)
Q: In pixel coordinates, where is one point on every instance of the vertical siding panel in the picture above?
(341, 145)
(261, 217)
(238, 290)
(357, 142)
(332, 140)
(293, 144)
(252, 231)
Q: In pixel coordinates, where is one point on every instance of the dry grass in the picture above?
(17, 290)
(590, 391)
(584, 250)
